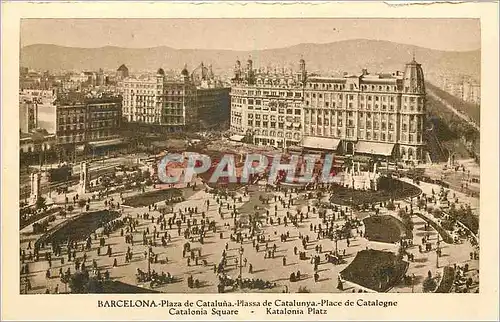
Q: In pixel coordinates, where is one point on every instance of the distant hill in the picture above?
(349, 56)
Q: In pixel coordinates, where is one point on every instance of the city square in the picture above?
(397, 137)
(278, 238)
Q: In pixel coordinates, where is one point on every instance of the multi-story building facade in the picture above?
(471, 92)
(175, 104)
(381, 114)
(37, 147)
(266, 106)
(87, 123)
(28, 116)
(40, 105)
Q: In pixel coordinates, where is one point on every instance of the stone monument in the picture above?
(84, 177)
(361, 180)
(35, 186)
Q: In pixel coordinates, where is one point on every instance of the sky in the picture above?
(248, 34)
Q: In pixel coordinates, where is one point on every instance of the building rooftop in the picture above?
(77, 98)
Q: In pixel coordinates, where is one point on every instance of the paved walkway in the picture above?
(270, 269)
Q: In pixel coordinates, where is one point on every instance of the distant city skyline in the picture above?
(249, 34)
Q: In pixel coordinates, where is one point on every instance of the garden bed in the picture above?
(386, 229)
(447, 281)
(79, 228)
(117, 287)
(376, 270)
(445, 235)
(152, 197)
(36, 217)
(388, 189)
(470, 221)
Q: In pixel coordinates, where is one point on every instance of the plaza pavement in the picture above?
(267, 269)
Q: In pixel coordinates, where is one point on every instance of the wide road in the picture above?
(96, 168)
(453, 109)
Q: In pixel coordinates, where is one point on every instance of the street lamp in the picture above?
(437, 252)
(240, 251)
(149, 262)
(336, 240)
(412, 283)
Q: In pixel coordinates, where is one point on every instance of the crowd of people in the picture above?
(281, 216)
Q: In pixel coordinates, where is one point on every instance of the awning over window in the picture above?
(384, 149)
(111, 142)
(236, 138)
(314, 142)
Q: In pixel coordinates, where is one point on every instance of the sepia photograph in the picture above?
(259, 155)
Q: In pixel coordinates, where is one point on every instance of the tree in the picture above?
(81, 283)
(421, 203)
(146, 174)
(81, 204)
(78, 283)
(71, 208)
(437, 212)
(303, 289)
(40, 203)
(429, 284)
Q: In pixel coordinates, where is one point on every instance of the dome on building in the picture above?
(160, 72)
(185, 71)
(122, 68)
(413, 78)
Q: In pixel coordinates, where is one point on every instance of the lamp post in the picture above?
(412, 283)
(437, 251)
(240, 251)
(149, 262)
(336, 242)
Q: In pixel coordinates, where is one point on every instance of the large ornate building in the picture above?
(379, 114)
(87, 123)
(192, 101)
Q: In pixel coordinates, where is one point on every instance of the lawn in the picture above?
(152, 197)
(79, 228)
(442, 232)
(471, 221)
(376, 270)
(388, 189)
(386, 229)
(27, 219)
(117, 287)
(447, 280)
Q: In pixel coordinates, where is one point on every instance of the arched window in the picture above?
(403, 152)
